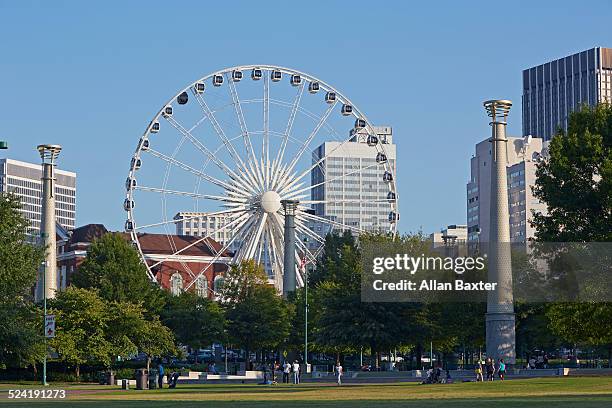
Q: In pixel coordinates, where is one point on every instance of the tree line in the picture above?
(112, 310)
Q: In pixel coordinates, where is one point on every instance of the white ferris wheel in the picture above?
(234, 144)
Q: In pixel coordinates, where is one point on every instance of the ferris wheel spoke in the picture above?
(312, 135)
(287, 193)
(190, 194)
(257, 236)
(211, 156)
(306, 252)
(300, 226)
(213, 261)
(198, 173)
(273, 254)
(330, 222)
(289, 127)
(218, 129)
(237, 222)
(245, 234)
(265, 148)
(248, 241)
(318, 163)
(166, 222)
(240, 115)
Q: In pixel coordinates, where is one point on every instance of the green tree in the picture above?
(583, 323)
(576, 181)
(344, 322)
(194, 320)
(82, 321)
(114, 268)
(154, 339)
(576, 185)
(533, 329)
(21, 342)
(257, 317)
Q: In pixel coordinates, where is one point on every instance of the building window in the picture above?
(218, 284)
(202, 286)
(176, 284)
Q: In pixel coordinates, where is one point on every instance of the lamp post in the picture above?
(48, 154)
(500, 318)
(48, 282)
(289, 281)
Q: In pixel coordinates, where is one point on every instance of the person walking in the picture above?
(502, 369)
(286, 371)
(490, 368)
(339, 371)
(160, 376)
(296, 372)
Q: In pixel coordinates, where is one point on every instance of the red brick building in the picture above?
(175, 260)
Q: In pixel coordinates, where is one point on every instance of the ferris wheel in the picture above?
(233, 145)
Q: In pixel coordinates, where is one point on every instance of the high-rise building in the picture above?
(24, 180)
(522, 157)
(360, 194)
(203, 224)
(553, 90)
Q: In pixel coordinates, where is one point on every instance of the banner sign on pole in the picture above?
(49, 326)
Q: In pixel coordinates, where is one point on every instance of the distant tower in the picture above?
(48, 276)
(289, 279)
(500, 303)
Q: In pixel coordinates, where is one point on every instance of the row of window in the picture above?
(177, 285)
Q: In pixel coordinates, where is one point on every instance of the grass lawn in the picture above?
(540, 392)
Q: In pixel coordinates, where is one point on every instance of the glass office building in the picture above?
(553, 90)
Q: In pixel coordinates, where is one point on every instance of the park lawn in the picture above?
(541, 392)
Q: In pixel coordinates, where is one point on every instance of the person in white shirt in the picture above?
(286, 371)
(339, 371)
(296, 372)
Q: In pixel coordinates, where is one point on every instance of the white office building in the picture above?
(523, 154)
(360, 195)
(23, 180)
(202, 224)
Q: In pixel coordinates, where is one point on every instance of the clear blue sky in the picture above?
(90, 75)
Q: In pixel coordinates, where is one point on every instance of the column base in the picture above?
(501, 336)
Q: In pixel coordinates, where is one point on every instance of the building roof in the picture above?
(87, 233)
(153, 243)
(36, 166)
(169, 244)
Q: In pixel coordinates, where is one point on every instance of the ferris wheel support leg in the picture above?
(289, 277)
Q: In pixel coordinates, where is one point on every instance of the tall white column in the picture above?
(47, 281)
(500, 320)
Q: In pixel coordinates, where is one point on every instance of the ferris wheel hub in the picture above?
(270, 202)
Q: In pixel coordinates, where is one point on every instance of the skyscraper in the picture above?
(522, 155)
(23, 180)
(553, 90)
(361, 194)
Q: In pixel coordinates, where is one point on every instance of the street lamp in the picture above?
(3, 145)
(49, 154)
